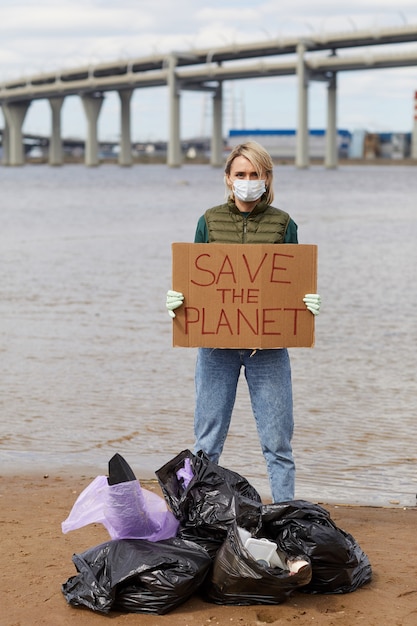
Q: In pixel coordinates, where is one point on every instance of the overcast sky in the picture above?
(48, 35)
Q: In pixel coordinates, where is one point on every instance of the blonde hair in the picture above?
(260, 160)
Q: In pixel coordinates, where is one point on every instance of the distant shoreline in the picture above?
(161, 160)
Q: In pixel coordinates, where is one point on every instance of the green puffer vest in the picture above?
(265, 224)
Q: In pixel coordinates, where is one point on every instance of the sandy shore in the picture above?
(36, 560)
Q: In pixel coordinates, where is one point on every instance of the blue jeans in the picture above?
(268, 374)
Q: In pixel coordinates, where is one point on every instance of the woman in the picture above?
(247, 217)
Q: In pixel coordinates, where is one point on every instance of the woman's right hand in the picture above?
(174, 300)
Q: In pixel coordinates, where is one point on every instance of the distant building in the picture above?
(387, 145)
(281, 143)
(359, 144)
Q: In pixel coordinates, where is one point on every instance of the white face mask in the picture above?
(248, 190)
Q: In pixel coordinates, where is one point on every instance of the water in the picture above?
(87, 366)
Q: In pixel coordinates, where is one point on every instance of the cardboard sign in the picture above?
(243, 295)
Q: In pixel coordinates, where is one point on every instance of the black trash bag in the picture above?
(238, 578)
(338, 562)
(119, 470)
(137, 576)
(210, 501)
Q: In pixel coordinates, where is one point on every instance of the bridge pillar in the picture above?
(216, 158)
(55, 142)
(330, 160)
(174, 158)
(14, 114)
(5, 143)
(125, 154)
(301, 156)
(92, 105)
(414, 133)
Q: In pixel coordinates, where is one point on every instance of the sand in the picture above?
(36, 560)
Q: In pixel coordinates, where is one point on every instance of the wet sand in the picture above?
(36, 560)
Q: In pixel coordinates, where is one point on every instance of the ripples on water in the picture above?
(86, 358)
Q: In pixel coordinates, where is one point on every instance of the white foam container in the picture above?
(261, 549)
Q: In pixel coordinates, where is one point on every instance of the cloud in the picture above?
(229, 14)
(68, 22)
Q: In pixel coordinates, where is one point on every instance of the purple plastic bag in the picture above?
(185, 474)
(126, 510)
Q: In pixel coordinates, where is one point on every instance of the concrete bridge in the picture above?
(314, 58)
